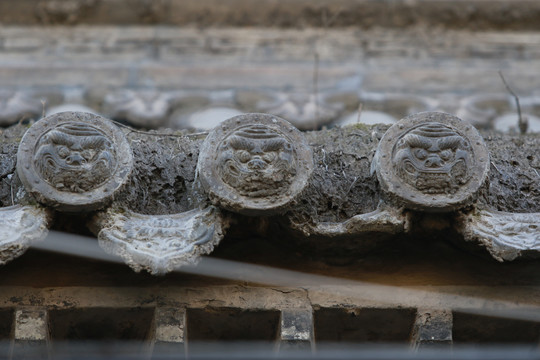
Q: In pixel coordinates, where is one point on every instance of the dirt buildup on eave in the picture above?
(341, 185)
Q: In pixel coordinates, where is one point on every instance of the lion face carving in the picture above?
(256, 161)
(433, 158)
(75, 157)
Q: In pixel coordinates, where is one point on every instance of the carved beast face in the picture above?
(257, 161)
(75, 157)
(433, 158)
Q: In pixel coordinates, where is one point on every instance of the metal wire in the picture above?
(261, 351)
(392, 295)
(244, 272)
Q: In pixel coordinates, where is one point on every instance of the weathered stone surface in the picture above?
(384, 219)
(401, 104)
(341, 185)
(505, 235)
(366, 117)
(306, 111)
(74, 161)
(431, 162)
(340, 189)
(398, 61)
(71, 108)
(170, 325)
(163, 173)
(31, 324)
(20, 227)
(170, 331)
(145, 108)
(432, 328)
(482, 109)
(514, 175)
(255, 164)
(508, 122)
(31, 333)
(16, 106)
(296, 330)
(205, 119)
(297, 14)
(159, 243)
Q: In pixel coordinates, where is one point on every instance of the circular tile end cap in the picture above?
(74, 161)
(254, 164)
(432, 162)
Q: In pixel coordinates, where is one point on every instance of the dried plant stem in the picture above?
(522, 123)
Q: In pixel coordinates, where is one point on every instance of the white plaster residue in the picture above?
(292, 333)
(20, 226)
(170, 333)
(505, 235)
(30, 325)
(387, 220)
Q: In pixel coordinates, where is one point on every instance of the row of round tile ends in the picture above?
(255, 164)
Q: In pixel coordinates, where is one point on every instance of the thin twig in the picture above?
(43, 103)
(324, 159)
(22, 119)
(316, 83)
(326, 22)
(352, 184)
(522, 123)
(496, 168)
(359, 112)
(11, 189)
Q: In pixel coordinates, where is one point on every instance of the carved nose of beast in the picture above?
(433, 161)
(257, 164)
(75, 159)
